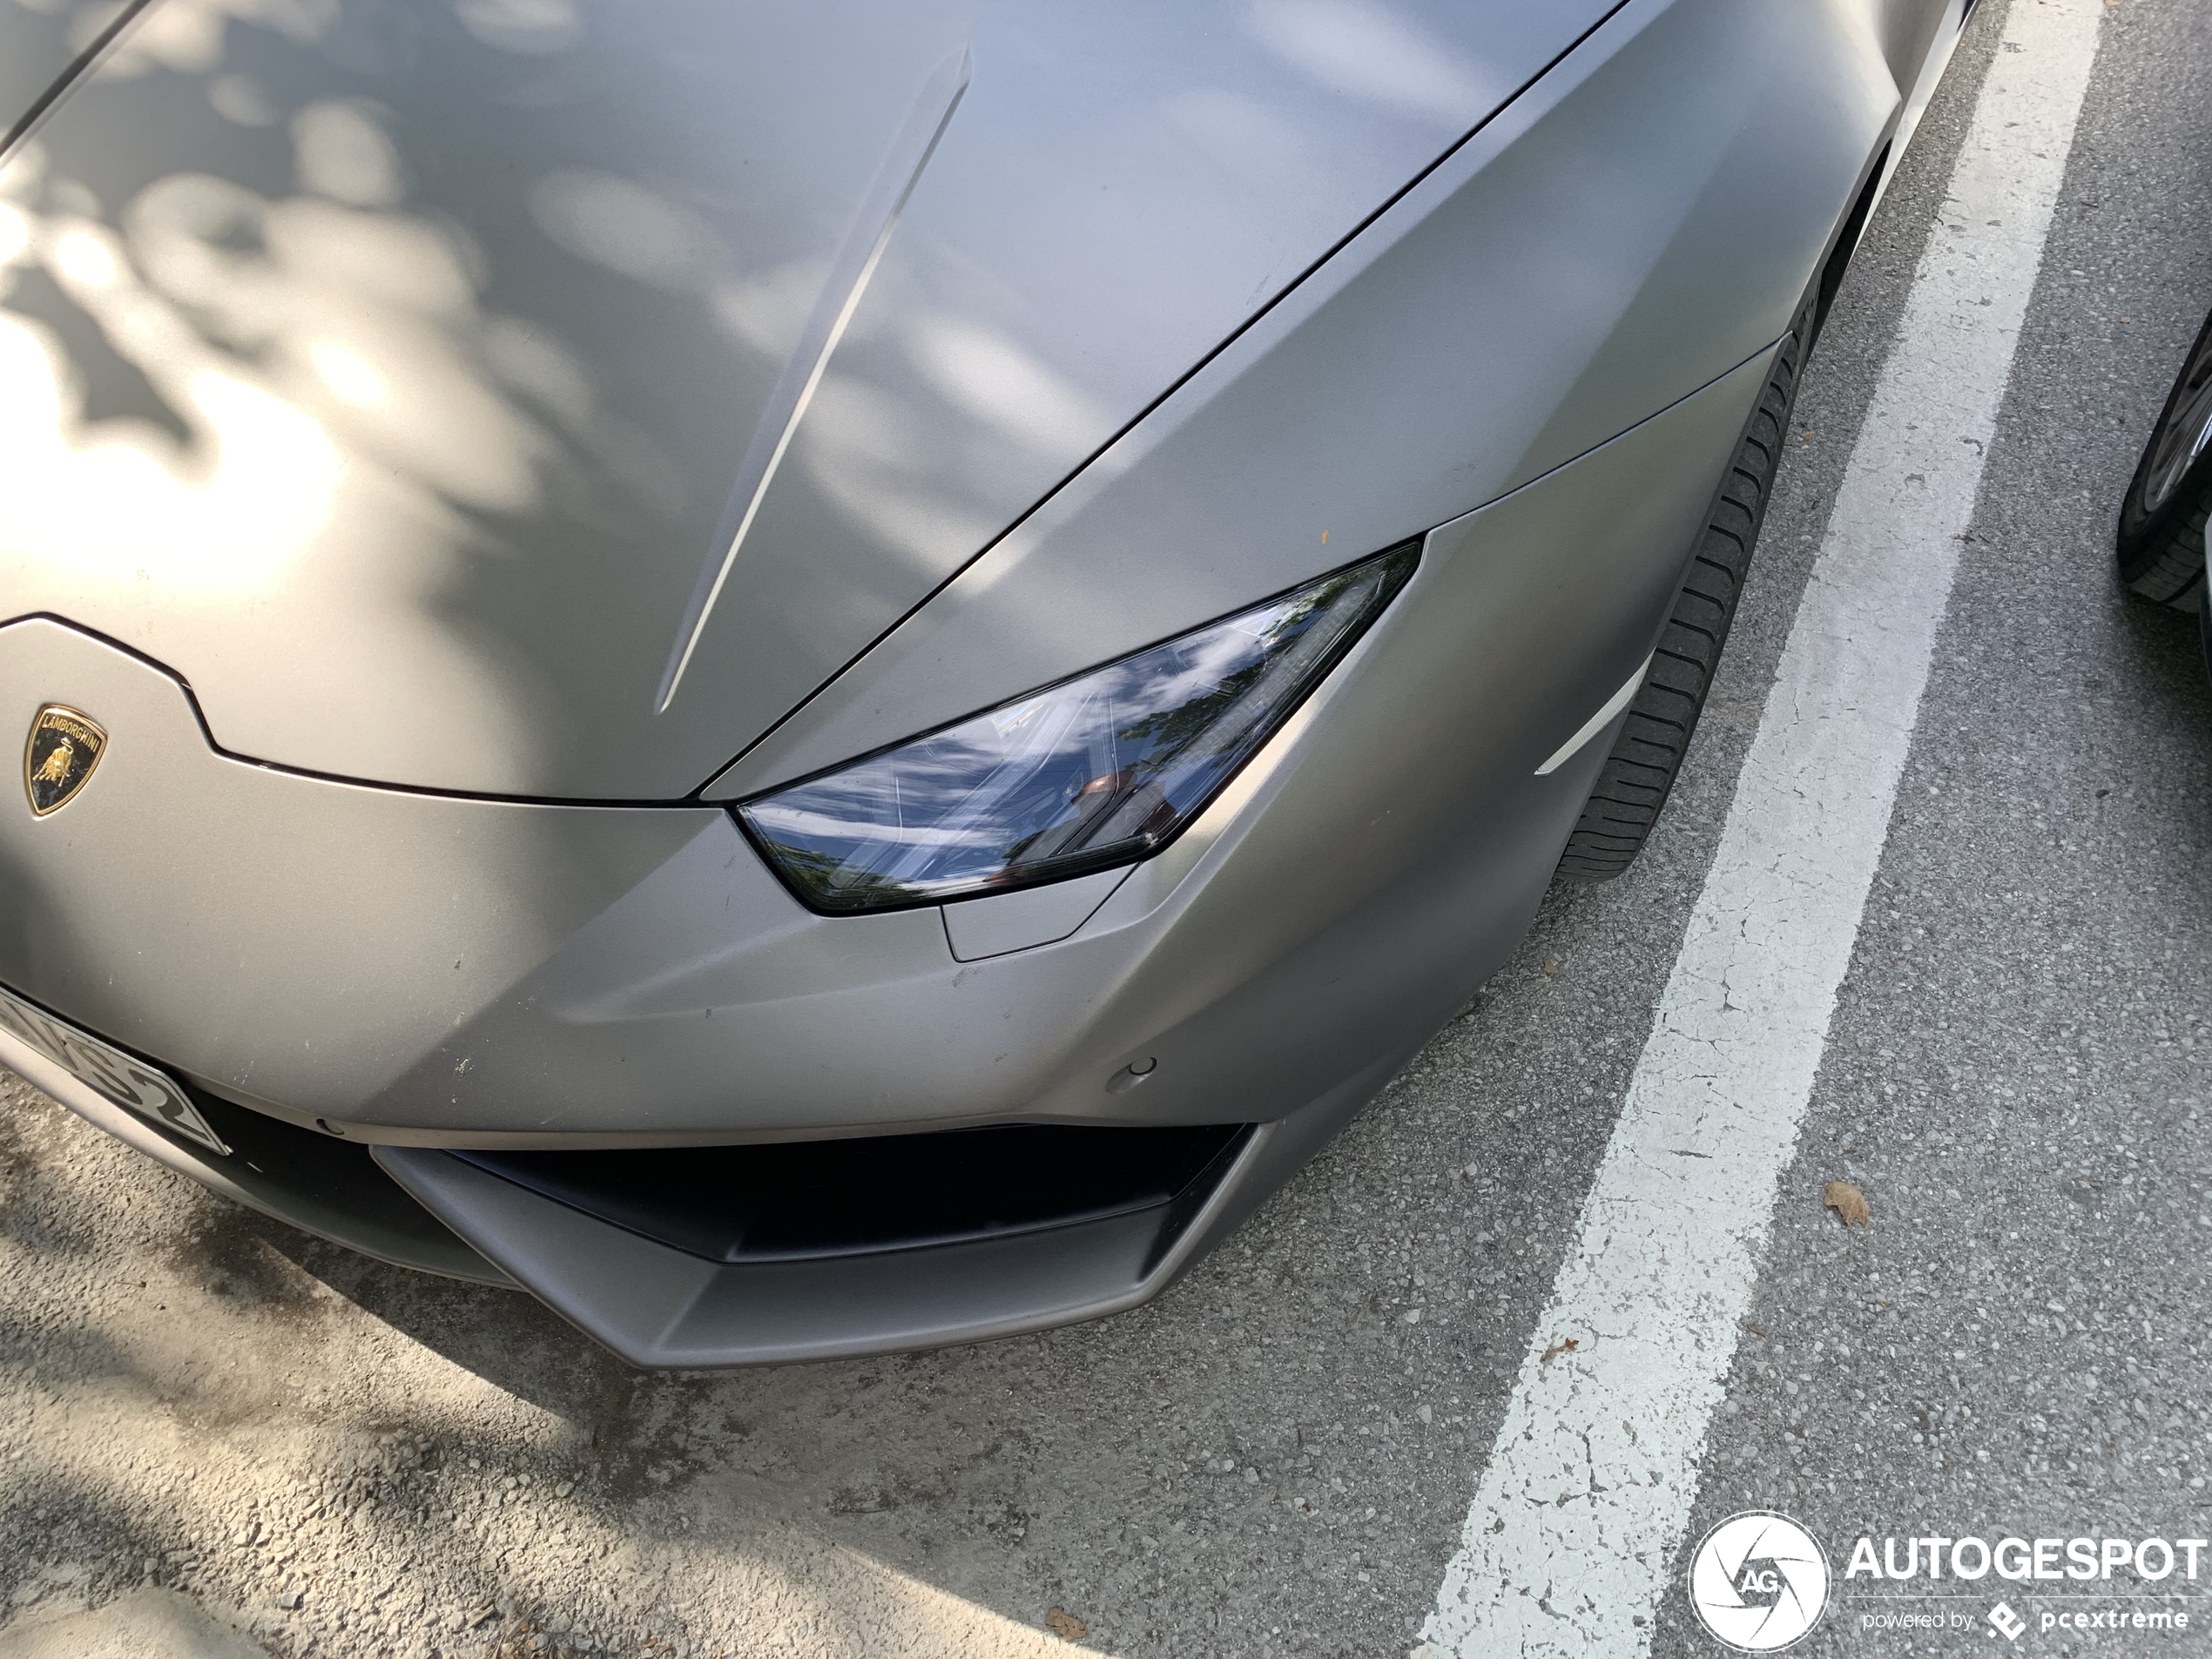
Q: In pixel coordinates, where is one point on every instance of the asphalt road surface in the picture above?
(205, 1416)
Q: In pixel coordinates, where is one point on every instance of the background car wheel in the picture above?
(2162, 516)
(1639, 772)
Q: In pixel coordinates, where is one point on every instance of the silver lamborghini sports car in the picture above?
(823, 675)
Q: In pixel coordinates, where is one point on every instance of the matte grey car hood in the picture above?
(37, 47)
(404, 374)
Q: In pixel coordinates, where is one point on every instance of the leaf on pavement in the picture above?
(1065, 1625)
(1558, 1348)
(1847, 1201)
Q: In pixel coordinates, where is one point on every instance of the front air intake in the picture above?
(800, 1200)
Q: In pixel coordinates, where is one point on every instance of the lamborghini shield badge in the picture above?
(57, 760)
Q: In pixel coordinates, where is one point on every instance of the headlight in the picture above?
(1101, 769)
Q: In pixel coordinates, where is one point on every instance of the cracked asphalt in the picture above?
(331, 1457)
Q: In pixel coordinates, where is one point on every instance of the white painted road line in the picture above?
(1591, 1482)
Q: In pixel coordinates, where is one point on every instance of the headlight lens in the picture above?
(1101, 769)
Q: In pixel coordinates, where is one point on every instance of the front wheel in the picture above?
(1640, 774)
(2161, 544)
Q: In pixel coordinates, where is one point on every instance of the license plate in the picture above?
(108, 1071)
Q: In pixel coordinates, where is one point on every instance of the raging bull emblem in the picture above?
(63, 747)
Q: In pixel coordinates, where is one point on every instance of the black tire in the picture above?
(2160, 544)
(1639, 772)
(2204, 626)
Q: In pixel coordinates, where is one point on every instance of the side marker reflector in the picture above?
(1597, 722)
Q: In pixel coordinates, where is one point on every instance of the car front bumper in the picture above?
(415, 974)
